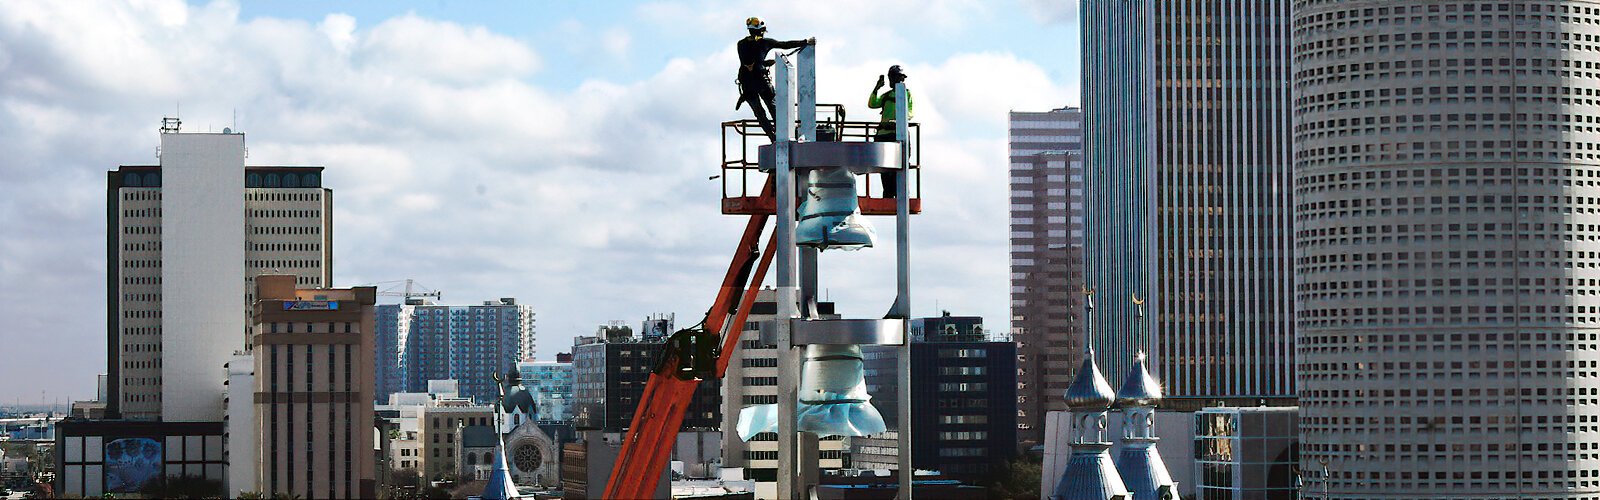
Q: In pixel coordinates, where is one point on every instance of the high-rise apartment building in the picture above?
(1187, 153)
(393, 331)
(313, 390)
(1046, 260)
(752, 379)
(418, 342)
(1447, 259)
(173, 232)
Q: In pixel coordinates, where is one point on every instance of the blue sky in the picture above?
(557, 152)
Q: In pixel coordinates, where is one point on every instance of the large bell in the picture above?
(833, 398)
(829, 214)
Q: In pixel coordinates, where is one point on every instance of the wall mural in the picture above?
(132, 464)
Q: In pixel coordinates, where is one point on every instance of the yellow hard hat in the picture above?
(755, 24)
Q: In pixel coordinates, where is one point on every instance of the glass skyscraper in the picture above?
(550, 384)
(1186, 153)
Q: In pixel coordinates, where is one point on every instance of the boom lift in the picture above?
(703, 351)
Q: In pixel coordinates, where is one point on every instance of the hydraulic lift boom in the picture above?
(685, 362)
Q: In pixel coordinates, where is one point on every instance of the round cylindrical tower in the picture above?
(1447, 247)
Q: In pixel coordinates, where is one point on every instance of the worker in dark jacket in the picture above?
(755, 82)
(886, 122)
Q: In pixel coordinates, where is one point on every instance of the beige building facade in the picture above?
(314, 385)
(437, 432)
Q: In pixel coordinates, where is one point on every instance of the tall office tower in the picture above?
(313, 387)
(421, 342)
(963, 403)
(752, 379)
(609, 372)
(1046, 260)
(1447, 262)
(1187, 151)
(168, 230)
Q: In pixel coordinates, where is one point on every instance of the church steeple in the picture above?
(1089, 474)
(500, 486)
(1140, 463)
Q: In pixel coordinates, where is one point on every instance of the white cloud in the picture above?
(450, 167)
(441, 51)
(1053, 11)
(341, 30)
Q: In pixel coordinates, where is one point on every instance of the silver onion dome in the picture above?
(1089, 390)
(1140, 389)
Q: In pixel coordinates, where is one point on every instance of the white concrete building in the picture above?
(202, 257)
(240, 434)
(281, 221)
(406, 446)
(1177, 444)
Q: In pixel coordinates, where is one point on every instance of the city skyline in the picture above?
(429, 153)
(1256, 248)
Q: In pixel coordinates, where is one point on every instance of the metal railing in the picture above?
(743, 180)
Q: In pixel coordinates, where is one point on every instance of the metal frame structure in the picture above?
(797, 282)
(688, 358)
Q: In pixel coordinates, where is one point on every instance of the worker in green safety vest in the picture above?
(884, 101)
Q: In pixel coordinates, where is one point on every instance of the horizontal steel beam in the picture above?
(838, 331)
(859, 157)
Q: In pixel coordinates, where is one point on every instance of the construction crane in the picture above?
(406, 289)
(703, 351)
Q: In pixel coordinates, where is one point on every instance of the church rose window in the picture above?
(527, 458)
